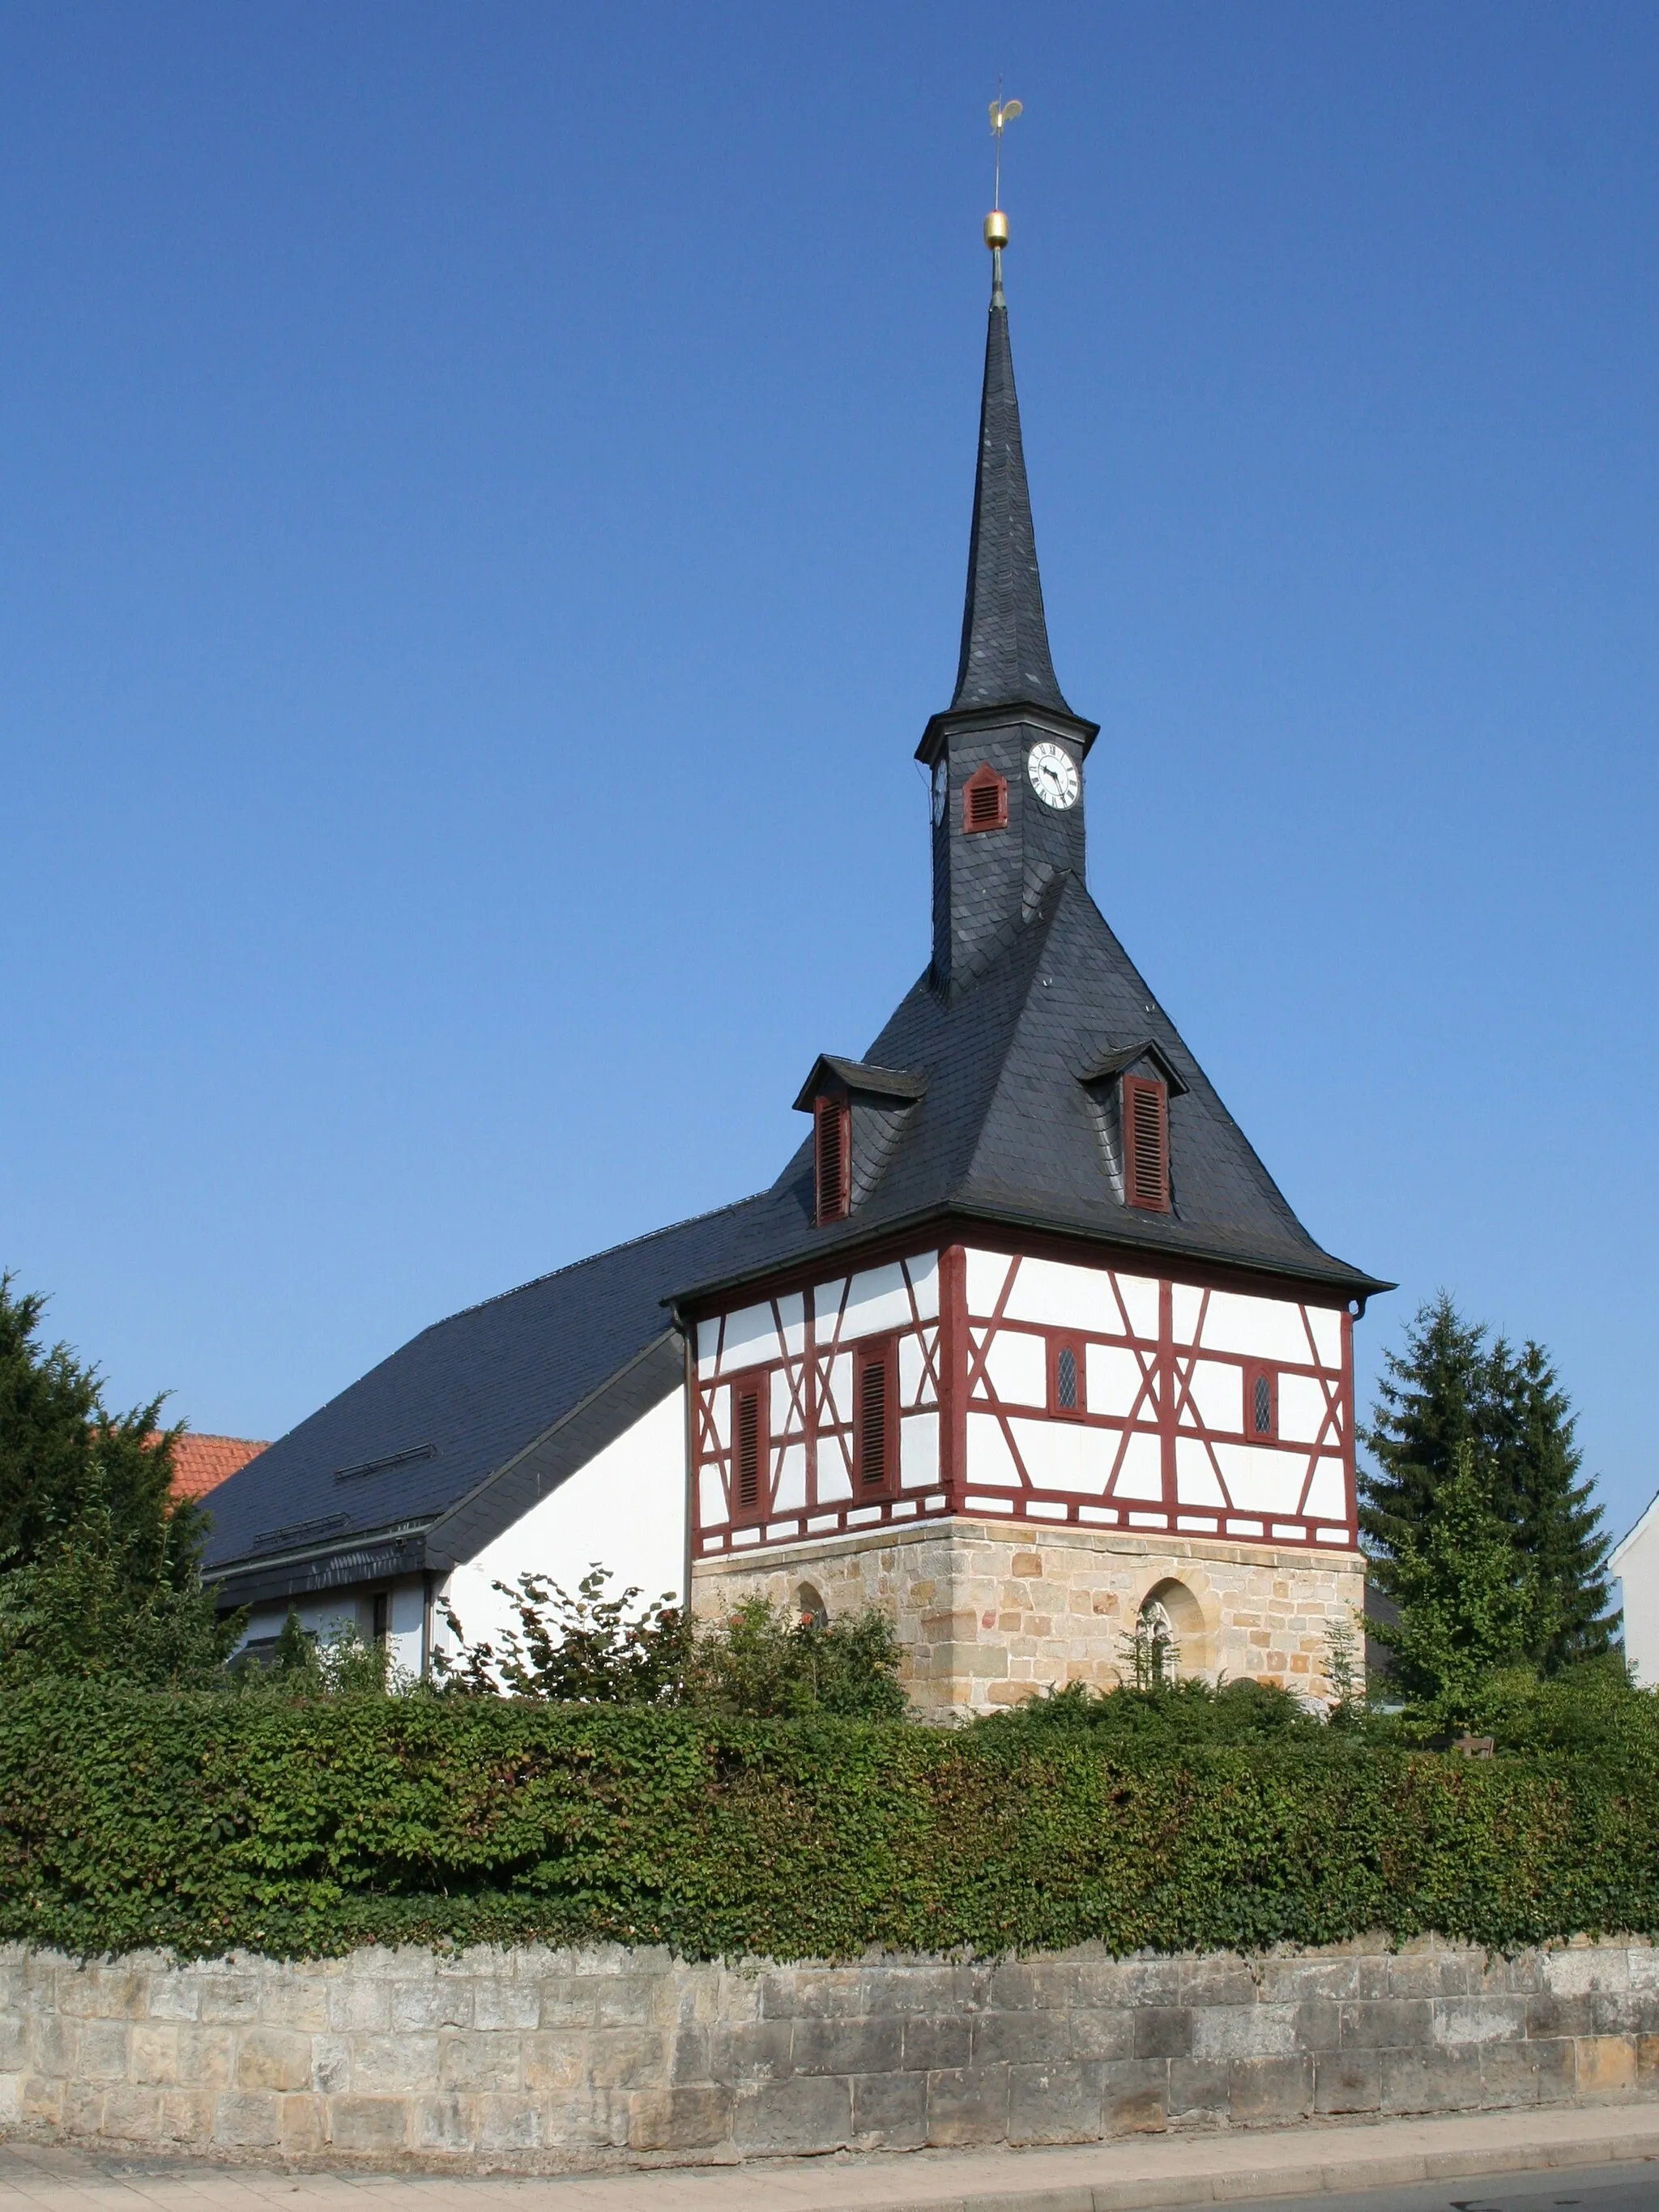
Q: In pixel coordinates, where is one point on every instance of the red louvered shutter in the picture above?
(875, 1435)
(750, 1445)
(832, 1164)
(1147, 1144)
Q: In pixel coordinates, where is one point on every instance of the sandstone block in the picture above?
(368, 2124)
(104, 2048)
(1388, 2023)
(567, 2001)
(1604, 2065)
(508, 2122)
(360, 2007)
(629, 2002)
(1101, 2031)
(1347, 2081)
(1270, 2091)
(890, 2110)
(154, 2054)
(1431, 2080)
(690, 2118)
(426, 2006)
(230, 1998)
(499, 2004)
(303, 2123)
(1134, 2096)
(1480, 2019)
(1163, 2032)
(809, 2112)
(846, 2046)
(291, 2001)
(247, 2119)
(14, 2045)
(746, 2051)
(934, 2045)
(1244, 2031)
(629, 2058)
(1586, 1970)
(1197, 2091)
(1058, 2103)
(1557, 2069)
(967, 2105)
(381, 2065)
(445, 2121)
(554, 2060)
(174, 1996)
(473, 2059)
(187, 2117)
(273, 2058)
(133, 2114)
(828, 1993)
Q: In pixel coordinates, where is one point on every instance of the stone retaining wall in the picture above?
(542, 2059)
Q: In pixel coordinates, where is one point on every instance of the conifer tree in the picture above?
(99, 1566)
(1538, 1491)
(1450, 1387)
(1470, 1602)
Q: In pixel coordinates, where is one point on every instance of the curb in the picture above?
(1223, 2184)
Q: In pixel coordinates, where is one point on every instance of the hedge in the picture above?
(209, 1822)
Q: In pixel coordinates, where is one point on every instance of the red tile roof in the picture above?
(201, 1463)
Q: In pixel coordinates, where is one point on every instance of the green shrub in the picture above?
(306, 1828)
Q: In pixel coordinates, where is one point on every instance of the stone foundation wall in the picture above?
(987, 1614)
(545, 2060)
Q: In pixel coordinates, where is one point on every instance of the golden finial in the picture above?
(1003, 113)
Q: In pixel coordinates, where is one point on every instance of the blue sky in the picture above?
(483, 505)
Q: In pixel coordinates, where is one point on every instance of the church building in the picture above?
(1024, 1346)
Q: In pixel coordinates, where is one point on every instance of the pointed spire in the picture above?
(1005, 639)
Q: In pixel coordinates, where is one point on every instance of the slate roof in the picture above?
(460, 1403)
(1005, 660)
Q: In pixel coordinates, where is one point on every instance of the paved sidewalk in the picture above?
(1114, 2176)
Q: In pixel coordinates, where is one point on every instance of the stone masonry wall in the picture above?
(987, 1614)
(545, 2060)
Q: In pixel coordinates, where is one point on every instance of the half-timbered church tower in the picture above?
(1025, 1345)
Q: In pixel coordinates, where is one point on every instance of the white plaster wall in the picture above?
(625, 1508)
(1635, 1562)
(338, 1611)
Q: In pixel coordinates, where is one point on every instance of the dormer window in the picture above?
(984, 800)
(1147, 1144)
(832, 1159)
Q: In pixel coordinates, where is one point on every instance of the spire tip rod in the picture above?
(1003, 113)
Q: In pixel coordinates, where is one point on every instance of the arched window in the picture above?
(810, 1608)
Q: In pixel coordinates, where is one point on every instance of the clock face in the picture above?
(941, 786)
(1054, 775)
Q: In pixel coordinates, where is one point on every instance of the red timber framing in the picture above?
(1151, 1443)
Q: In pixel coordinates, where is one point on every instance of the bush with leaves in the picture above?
(1170, 1712)
(602, 1647)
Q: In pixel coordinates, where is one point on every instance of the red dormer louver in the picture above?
(984, 800)
(831, 1162)
(1147, 1144)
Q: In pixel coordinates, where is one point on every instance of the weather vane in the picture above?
(1003, 113)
